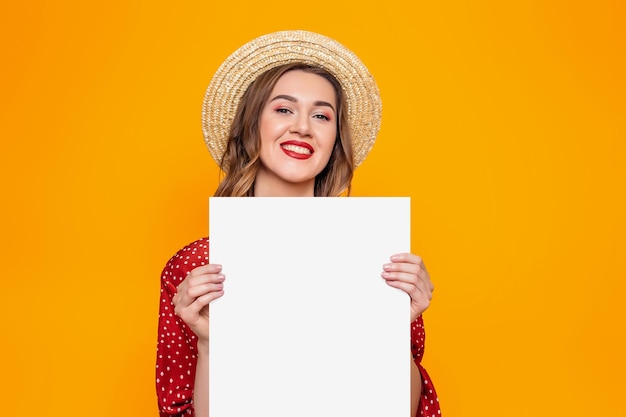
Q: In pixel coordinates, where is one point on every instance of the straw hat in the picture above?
(241, 68)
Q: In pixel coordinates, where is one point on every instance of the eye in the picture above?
(322, 117)
(283, 110)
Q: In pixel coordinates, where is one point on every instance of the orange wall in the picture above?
(505, 122)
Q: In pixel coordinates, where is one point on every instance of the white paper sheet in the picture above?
(307, 327)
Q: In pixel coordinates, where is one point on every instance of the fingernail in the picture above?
(395, 258)
(387, 267)
(385, 275)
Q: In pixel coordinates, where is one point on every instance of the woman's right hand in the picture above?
(191, 301)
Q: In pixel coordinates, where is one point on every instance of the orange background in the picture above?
(504, 121)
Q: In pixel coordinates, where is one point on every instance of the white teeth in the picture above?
(297, 149)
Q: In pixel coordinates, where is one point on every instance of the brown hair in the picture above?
(241, 160)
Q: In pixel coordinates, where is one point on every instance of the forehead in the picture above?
(304, 84)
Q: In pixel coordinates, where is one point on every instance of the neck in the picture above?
(264, 186)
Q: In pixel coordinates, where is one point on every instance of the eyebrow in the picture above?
(295, 100)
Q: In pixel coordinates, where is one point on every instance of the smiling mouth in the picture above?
(301, 150)
(297, 149)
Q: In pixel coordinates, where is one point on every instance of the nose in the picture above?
(301, 125)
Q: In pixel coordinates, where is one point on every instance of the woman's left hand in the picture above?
(407, 272)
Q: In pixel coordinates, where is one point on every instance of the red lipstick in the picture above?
(296, 149)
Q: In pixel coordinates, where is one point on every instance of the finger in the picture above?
(418, 270)
(201, 279)
(200, 290)
(206, 269)
(408, 258)
(190, 312)
(400, 276)
(194, 281)
(420, 281)
(203, 301)
(406, 271)
(193, 287)
(415, 291)
(424, 288)
(403, 267)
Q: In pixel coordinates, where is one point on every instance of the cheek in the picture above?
(265, 135)
(329, 146)
(271, 129)
(329, 140)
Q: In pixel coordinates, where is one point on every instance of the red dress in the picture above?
(177, 344)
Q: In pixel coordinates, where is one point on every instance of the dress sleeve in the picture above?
(177, 344)
(429, 402)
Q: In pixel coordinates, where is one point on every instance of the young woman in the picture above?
(288, 114)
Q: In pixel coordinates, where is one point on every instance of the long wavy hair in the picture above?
(241, 161)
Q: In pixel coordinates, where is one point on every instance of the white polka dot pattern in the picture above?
(177, 344)
(429, 402)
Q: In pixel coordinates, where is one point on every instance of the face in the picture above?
(298, 128)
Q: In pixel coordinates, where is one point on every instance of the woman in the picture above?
(288, 114)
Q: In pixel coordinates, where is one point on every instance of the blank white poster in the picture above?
(307, 327)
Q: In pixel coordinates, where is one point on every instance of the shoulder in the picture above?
(189, 257)
(198, 249)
